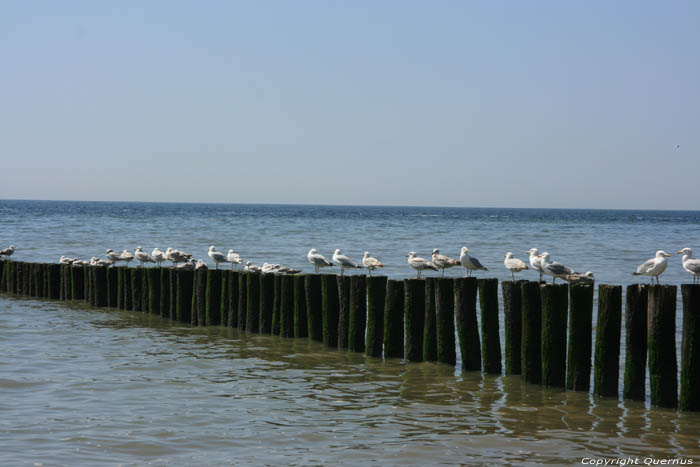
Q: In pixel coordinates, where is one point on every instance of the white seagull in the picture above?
(142, 256)
(371, 263)
(514, 264)
(113, 256)
(216, 256)
(535, 260)
(553, 269)
(250, 267)
(469, 262)
(7, 252)
(442, 261)
(343, 261)
(99, 262)
(200, 265)
(319, 261)
(690, 264)
(158, 256)
(187, 266)
(578, 278)
(176, 256)
(653, 267)
(126, 256)
(269, 268)
(420, 264)
(233, 258)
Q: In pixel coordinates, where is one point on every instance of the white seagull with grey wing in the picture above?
(535, 260)
(653, 267)
(318, 260)
(142, 256)
(469, 262)
(690, 264)
(216, 256)
(371, 263)
(514, 264)
(443, 262)
(554, 269)
(233, 258)
(343, 261)
(420, 264)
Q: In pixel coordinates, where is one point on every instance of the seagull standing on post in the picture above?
(343, 261)
(514, 264)
(371, 263)
(690, 264)
(319, 261)
(216, 256)
(553, 269)
(442, 261)
(653, 267)
(420, 264)
(469, 262)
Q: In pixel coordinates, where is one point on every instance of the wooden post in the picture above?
(100, 285)
(54, 280)
(267, 297)
(578, 370)
(112, 287)
(376, 296)
(165, 293)
(430, 350)
(301, 326)
(286, 306)
(173, 301)
(225, 296)
(414, 318)
(77, 282)
(314, 318)
(88, 282)
(635, 341)
(233, 299)
(199, 313)
(121, 286)
(153, 276)
(213, 298)
(183, 287)
(467, 327)
(445, 320)
(554, 316)
(690, 348)
(253, 302)
(330, 309)
(343, 310)
(490, 334)
(531, 365)
(357, 316)
(26, 276)
(136, 289)
(393, 320)
(242, 299)
(66, 287)
(276, 301)
(661, 326)
(512, 323)
(607, 341)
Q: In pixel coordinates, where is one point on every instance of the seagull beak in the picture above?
(679, 252)
(667, 255)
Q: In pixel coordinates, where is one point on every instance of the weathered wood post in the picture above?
(414, 318)
(136, 289)
(578, 368)
(121, 288)
(225, 304)
(233, 298)
(144, 290)
(376, 296)
(213, 298)
(183, 287)
(430, 350)
(242, 300)
(173, 279)
(329, 309)
(54, 280)
(661, 327)
(77, 282)
(301, 325)
(357, 316)
(490, 334)
(607, 341)
(690, 348)
(393, 320)
(112, 287)
(165, 292)
(554, 317)
(100, 285)
(3, 283)
(512, 323)
(267, 297)
(343, 310)
(445, 321)
(253, 302)
(287, 306)
(66, 287)
(635, 341)
(531, 340)
(314, 314)
(153, 277)
(467, 326)
(88, 284)
(26, 278)
(199, 313)
(40, 280)
(276, 303)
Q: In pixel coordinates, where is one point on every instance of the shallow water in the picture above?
(83, 386)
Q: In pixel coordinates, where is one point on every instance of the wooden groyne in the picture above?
(419, 320)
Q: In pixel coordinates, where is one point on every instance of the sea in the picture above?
(83, 386)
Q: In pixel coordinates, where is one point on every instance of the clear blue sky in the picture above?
(493, 103)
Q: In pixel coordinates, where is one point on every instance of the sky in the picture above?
(561, 104)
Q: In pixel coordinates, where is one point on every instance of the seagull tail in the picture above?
(636, 274)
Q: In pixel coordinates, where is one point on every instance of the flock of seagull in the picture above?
(540, 262)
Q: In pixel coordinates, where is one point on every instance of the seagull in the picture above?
(126, 256)
(7, 252)
(278, 269)
(653, 267)
(99, 262)
(217, 256)
(318, 260)
(690, 264)
(553, 269)
(80, 262)
(514, 264)
(343, 261)
(65, 260)
(113, 256)
(176, 256)
(443, 262)
(578, 278)
(420, 264)
(233, 258)
(158, 256)
(250, 267)
(142, 256)
(371, 263)
(535, 260)
(200, 265)
(187, 266)
(469, 262)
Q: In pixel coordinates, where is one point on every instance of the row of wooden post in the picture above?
(415, 319)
